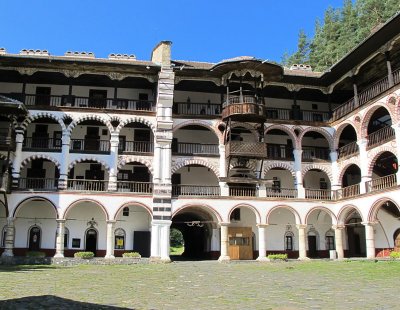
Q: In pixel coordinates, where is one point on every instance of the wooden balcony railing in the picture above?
(37, 184)
(43, 144)
(314, 116)
(381, 183)
(246, 149)
(315, 153)
(348, 150)
(195, 190)
(347, 192)
(87, 185)
(242, 191)
(281, 192)
(136, 147)
(319, 194)
(135, 187)
(380, 136)
(279, 114)
(196, 149)
(89, 145)
(194, 109)
(279, 151)
(252, 111)
(396, 76)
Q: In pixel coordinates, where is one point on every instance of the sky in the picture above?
(203, 30)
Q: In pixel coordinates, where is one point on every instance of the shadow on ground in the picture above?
(50, 302)
(16, 268)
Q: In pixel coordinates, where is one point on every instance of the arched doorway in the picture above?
(347, 144)
(379, 128)
(396, 238)
(320, 236)
(34, 238)
(91, 240)
(355, 236)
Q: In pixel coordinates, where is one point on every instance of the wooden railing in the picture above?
(37, 184)
(195, 190)
(87, 145)
(246, 149)
(279, 151)
(381, 183)
(42, 100)
(280, 114)
(380, 136)
(347, 192)
(196, 148)
(396, 76)
(313, 153)
(242, 191)
(319, 194)
(135, 187)
(87, 185)
(315, 116)
(185, 108)
(45, 144)
(348, 150)
(254, 110)
(281, 192)
(136, 147)
(242, 99)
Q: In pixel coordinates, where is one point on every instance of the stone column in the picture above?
(157, 160)
(298, 177)
(222, 161)
(262, 246)
(362, 145)
(224, 243)
(370, 239)
(63, 181)
(165, 242)
(302, 242)
(60, 238)
(166, 163)
(112, 179)
(336, 184)
(9, 241)
(110, 240)
(339, 240)
(155, 241)
(16, 168)
(160, 234)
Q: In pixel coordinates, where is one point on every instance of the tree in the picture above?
(301, 55)
(176, 238)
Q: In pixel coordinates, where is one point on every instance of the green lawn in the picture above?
(206, 285)
(176, 250)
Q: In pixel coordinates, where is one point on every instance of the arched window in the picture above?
(119, 243)
(125, 211)
(289, 239)
(330, 240)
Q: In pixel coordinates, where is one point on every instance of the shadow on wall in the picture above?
(49, 302)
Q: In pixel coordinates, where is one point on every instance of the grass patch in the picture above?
(176, 250)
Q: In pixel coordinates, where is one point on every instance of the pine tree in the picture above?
(301, 55)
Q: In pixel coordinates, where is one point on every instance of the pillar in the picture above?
(302, 242)
(339, 240)
(16, 169)
(389, 69)
(110, 240)
(112, 180)
(355, 91)
(165, 242)
(222, 161)
(63, 181)
(298, 177)
(60, 238)
(262, 246)
(224, 243)
(157, 160)
(9, 241)
(362, 145)
(370, 239)
(160, 234)
(336, 184)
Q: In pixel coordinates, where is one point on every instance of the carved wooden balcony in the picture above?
(244, 109)
(246, 149)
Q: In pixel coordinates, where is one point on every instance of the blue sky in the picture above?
(201, 30)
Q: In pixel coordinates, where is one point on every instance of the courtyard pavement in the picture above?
(204, 285)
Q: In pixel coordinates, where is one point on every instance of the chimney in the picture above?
(161, 54)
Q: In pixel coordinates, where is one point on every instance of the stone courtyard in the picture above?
(203, 285)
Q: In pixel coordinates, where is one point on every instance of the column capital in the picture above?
(224, 224)
(61, 221)
(301, 226)
(262, 225)
(368, 223)
(340, 227)
(161, 222)
(111, 221)
(10, 220)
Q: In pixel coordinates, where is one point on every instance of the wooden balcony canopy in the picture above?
(11, 106)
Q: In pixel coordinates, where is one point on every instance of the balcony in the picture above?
(318, 194)
(380, 137)
(311, 154)
(89, 146)
(347, 192)
(195, 190)
(281, 192)
(87, 185)
(242, 191)
(301, 115)
(246, 149)
(37, 184)
(42, 144)
(378, 184)
(196, 109)
(199, 149)
(348, 150)
(135, 187)
(244, 108)
(134, 147)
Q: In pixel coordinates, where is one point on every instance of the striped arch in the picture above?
(350, 162)
(245, 205)
(246, 126)
(373, 212)
(322, 131)
(376, 153)
(73, 204)
(40, 156)
(90, 117)
(32, 117)
(132, 203)
(95, 159)
(319, 167)
(287, 130)
(297, 217)
(202, 124)
(251, 165)
(136, 119)
(367, 117)
(282, 165)
(344, 212)
(195, 162)
(333, 216)
(201, 206)
(36, 198)
(339, 130)
(138, 159)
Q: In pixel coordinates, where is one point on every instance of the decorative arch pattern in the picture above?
(132, 203)
(245, 205)
(319, 167)
(136, 119)
(344, 212)
(292, 210)
(350, 162)
(36, 198)
(195, 162)
(367, 117)
(373, 212)
(202, 206)
(40, 156)
(328, 211)
(79, 160)
(73, 204)
(139, 159)
(90, 117)
(340, 129)
(287, 130)
(282, 165)
(322, 131)
(375, 155)
(202, 124)
(32, 117)
(250, 164)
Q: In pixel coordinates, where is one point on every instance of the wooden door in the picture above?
(34, 238)
(240, 243)
(97, 98)
(312, 246)
(43, 96)
(91, 241)
(92, 139)
(141, 242)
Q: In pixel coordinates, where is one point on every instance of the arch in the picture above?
(322, 131)
(375, 155)
(245, 205)
(343, 212)
(367, 117)
(373, 212)
(200, 162)
(136, 119)
(32, 117)
(73, 204)
(139, 159)
(40, 156)
(350, 162)
(79, 160)
(292, 210)
(202, 124)
(132, 203)
(333, 216)
(318, 167)
(282, 165)
(19, 205)
(340, 129)
(200, 205)
(287, 130)
(90, 117)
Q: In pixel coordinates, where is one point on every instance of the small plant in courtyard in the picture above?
(35, 254)
(84, 255)
(280, 256)
(131, 255)
(394, 255)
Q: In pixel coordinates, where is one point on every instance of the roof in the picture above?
(12, 106)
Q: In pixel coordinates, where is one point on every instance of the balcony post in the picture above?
(370, 239)
(222, 160)
(262, 190)
(339, 240)
(335, 171)
(9, 240)
(110, 240)
(63, 181)
(112, 180)
(262, 246)
(298, 177)
(302, 242)
(224, 243)
(16, 168)
(355, 91)
(396, 128)
(157, 159)
(362, 145)
(389, 69)
(60, 238)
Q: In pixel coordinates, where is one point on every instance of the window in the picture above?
(66, 235)
(330, 240)
(125, 211)
(76, 243)
(276, 185)
(235, 215)
(289, 241)
(119, 243)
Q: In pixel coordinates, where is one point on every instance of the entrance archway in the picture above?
(91, 240)
(34, 238)
(355, 236)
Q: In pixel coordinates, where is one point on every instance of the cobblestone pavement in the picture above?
(203, 285)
